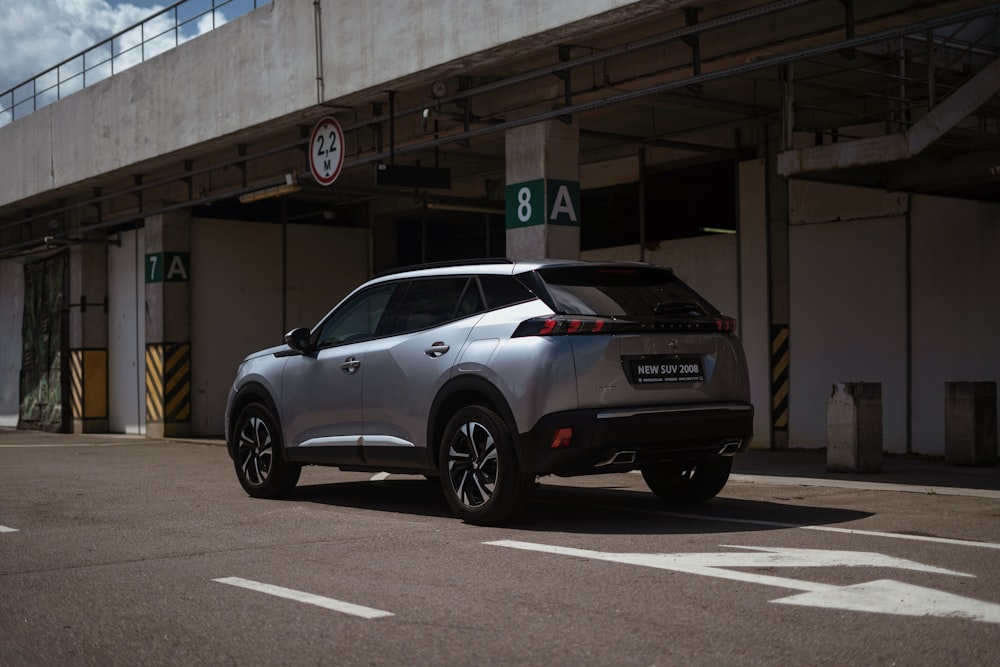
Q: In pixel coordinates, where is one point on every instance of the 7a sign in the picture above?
(171, 267)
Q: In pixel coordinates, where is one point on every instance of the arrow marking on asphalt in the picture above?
(883, 596)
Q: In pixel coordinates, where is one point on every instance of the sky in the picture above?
(35, 35)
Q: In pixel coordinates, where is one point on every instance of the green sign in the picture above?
(544, 201)
(171, 267)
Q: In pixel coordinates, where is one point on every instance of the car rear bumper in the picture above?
(619, 439)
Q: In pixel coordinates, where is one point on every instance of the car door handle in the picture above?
(350, 365)
(437, 349)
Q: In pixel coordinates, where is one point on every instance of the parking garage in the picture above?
(823, 170)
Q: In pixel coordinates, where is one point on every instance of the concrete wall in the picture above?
(956, 306)
(324, 265)
(261, 67)
(849, 294)
(235, 308)
(11, 316)
(236, 297)
(848, 305)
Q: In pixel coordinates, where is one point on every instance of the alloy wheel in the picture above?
(255, 453)
(473, 464)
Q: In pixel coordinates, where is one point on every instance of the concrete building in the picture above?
(824, 170)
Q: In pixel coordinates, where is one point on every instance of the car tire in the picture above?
(688, 482)
(479, 471)
(259, 455)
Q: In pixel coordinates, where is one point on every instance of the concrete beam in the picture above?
(893, 147)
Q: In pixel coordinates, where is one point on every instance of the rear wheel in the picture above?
(260, 463)
(688, 482)
(479, 472)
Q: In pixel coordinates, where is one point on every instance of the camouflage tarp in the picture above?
(45, 335)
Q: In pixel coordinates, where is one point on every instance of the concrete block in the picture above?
(854, 428)
(970, 423)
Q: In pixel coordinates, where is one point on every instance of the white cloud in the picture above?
(39, 34)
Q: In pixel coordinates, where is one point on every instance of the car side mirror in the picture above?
(299, 339)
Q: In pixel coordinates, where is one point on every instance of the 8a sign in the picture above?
(544, 201)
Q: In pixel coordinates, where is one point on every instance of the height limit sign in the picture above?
(326, 151)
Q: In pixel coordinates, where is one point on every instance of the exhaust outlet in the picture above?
(618, 458)
(730, 448)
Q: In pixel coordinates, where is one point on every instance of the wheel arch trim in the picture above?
(251, 392)
(459, 392)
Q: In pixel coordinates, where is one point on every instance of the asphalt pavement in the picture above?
(806, 466)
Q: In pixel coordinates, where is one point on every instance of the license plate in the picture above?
(662, 370)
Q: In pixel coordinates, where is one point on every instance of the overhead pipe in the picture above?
(318, 27)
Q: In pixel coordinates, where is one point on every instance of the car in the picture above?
(490, 373)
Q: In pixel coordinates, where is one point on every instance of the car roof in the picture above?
(487, 266)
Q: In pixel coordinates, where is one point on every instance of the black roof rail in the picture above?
(444, 264)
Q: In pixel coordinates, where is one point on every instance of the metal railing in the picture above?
(161, 32)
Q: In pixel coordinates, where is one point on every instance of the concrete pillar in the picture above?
(88, 335)
(970, 423)
(779, 295)
(854, 428)
(168, 325)
(543, 191)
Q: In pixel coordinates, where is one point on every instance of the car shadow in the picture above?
(403, 495)
(589, 510)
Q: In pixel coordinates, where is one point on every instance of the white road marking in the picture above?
(308, 598)
(780, 524)
(865, 486)
(5, 529)
(378, 477)
(834, 529)
(883, 596)
(71, 444)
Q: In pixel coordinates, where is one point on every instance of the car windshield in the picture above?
(625, 292)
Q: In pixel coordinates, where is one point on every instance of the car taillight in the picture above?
(561, 326)
(726, 324)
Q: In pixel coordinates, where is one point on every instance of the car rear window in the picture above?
(629, 292)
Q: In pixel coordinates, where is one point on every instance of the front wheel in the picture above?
(479, 472)
(688, 482)
(260, 463)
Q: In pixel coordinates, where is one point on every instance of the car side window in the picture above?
(357, 319)
(434, 301)
(501, 291)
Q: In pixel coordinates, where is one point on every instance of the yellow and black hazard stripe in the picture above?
(168, 382)
(779, 378)
(88, 383)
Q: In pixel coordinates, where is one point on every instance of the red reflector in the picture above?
(562, 438)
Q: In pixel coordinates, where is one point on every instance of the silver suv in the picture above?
(490, 373)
